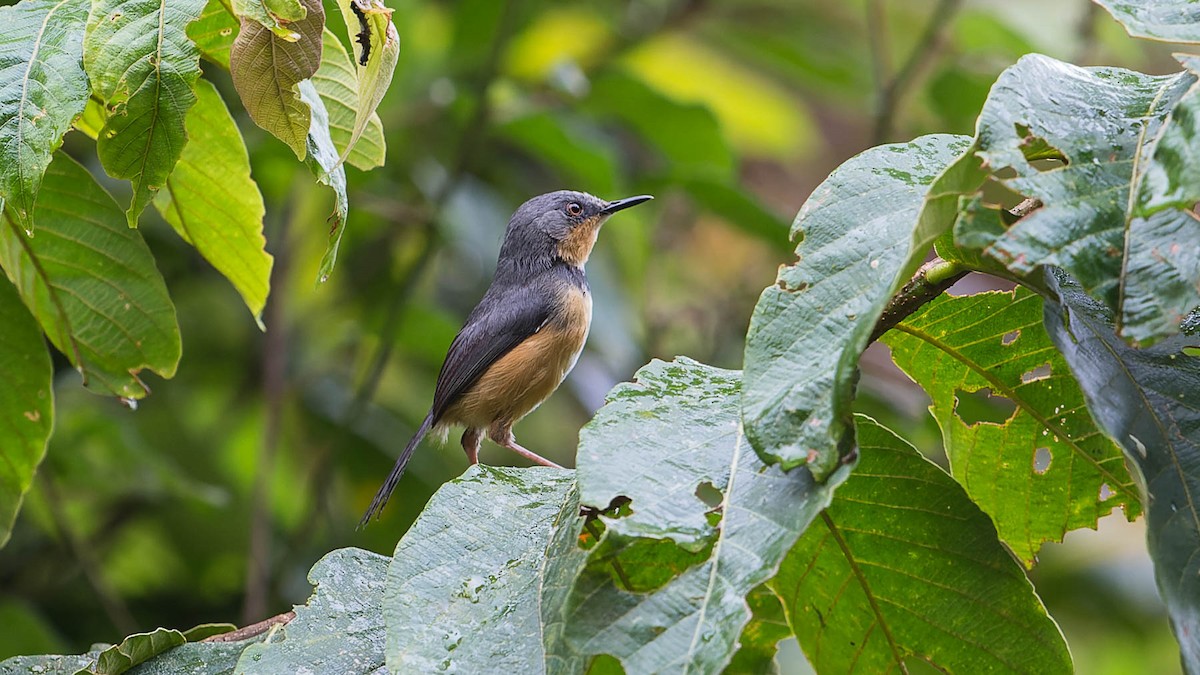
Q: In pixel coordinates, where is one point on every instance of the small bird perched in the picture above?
(524, 336)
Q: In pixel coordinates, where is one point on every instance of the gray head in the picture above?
(557, 227)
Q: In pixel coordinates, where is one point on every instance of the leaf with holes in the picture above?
(760, 638)
(1136, 260)
(91, 283)
(143, 66)
(665, 444)
(278, 16)
(340, 628)
(213, 203)
(376, 47)
(1040, 468)
(1166, 20)
(903, 568)
(863, 237)
(490, 605)
(337, 83)
(1148, 400)
(26, 404)
(214, 32)
(42, 88)
(267, 70)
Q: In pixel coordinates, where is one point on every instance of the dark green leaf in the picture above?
(903, 568)
(376, 47)
(1039, 472)
(92, 284)
(214, 32)
(42, 88)
(26, 404)
(666, 442)
(325, 164)
(862, 239)
(760, 639)
(1148, 400)
(1166, 20)
(134, 650)
(340, 630)
(483, 594)
(1085, 225)
(337, 82)
(143, 66)
(214, 204)
(267, 69)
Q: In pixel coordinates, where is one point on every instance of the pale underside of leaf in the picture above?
(1166, 20)
(376, 47)
(324, 163)
(337, 83)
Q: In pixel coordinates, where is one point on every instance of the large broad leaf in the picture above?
(195, 658)
(1140, 265)
(142, 65)
(903, 568)
(213, 203)
(26, 403)
(92, 284)
(340, 630)
(337, 83)
(861, 242)
(42, 88)
(665, 588)
(376, 50)
(267, 69)
(326, 165)
(483, 594)
(1167, 20)
(278, 16)
(214, 32)
(1148, 400)
(1040, 471)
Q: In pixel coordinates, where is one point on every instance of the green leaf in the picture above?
(196, 658)
(143, 66)
(376, 48)
(92, 284)
(1148, 401)
(337, 83)
(663, 443)
(267, 70)
(278, 16)
(214, 32)
(903, 568)
(482, 594)
(1166, 20)
(42, 88)
(26, 404)
(44, 665)
(1043, 470)
(861, 242)
(760, 639)
(1085, 224)
(134, 650)
(340, 630)
(325, 164)
(213, 203)
(207, 630)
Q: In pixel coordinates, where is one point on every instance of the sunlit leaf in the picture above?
(903, 568)
(42, 88)
(1039, 469)
(484, 594)
(214, 32)
(267, 70)
(278, 16)
(1166, 20)
(376, 47)
(1148, 401)
(142, 66)
(340, 628)
(337, 83)
(665, 443)
(213, 203)
(861, 241)
(325, 164)
(92, 284)
(1138, 265)
(26, 404)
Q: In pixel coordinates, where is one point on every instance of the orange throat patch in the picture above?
(577, 246)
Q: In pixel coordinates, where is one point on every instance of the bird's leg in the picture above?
(472, 438)
(503, 437)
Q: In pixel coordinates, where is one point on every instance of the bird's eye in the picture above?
(574, 209)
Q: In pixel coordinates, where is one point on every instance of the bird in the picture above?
(524, 336)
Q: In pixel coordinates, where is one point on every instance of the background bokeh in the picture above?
(211, 501)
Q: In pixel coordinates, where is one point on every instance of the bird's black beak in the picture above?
(614, 206)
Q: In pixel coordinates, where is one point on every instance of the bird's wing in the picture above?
(495, 327)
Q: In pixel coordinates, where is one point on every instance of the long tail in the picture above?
(385, 491)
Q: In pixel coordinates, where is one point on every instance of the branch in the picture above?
(253, 630)
(931, 280)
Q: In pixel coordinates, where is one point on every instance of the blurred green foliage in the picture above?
(729, 112)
